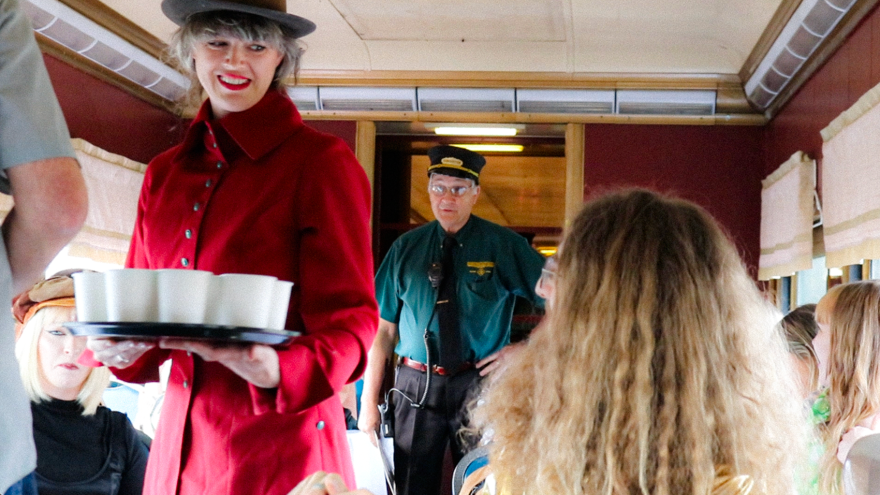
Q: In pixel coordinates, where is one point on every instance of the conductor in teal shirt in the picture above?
(446, 292)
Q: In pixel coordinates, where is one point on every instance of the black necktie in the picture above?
(447, 317)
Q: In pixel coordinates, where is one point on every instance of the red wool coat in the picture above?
(259, 192)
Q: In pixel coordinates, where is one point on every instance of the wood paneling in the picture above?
(515, 190)
(574, 171)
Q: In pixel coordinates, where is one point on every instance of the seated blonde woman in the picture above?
(661, 370)
(83, 448)
(848, 345)
(800, 328)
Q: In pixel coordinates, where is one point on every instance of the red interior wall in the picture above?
(840, 82)
(717, 167)
(109, 117)
(347, 130)
(121, 123)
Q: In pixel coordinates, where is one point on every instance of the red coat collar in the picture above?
(257, 130)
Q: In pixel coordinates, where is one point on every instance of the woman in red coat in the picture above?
(253, 190)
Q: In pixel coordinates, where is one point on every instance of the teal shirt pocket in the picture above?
(482, 282)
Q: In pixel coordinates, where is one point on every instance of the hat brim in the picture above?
(180, 10)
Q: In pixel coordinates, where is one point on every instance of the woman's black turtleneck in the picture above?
(73, 448)
(70, 446)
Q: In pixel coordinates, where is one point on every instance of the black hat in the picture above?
(275, 10)
(455, 161)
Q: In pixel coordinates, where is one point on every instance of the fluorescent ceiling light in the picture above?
(497, 148)
(474, 131)
(491, 130)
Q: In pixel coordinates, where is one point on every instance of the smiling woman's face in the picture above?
(60, 375)
(235, 73)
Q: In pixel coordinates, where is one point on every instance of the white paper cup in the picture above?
(91, 296)
(280, 303)
(131, 295)
(182, 295)
(242, 300)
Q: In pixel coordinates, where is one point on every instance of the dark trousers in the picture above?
(421, 435)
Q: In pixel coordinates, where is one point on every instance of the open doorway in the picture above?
(524, 191)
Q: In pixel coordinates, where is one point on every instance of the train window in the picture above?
(872, 269)
(810, 285)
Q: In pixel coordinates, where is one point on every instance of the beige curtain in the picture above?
(114, 184)
(851, 183)
(787, 218)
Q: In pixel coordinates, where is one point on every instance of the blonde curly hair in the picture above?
(660, 363)
(853, 323)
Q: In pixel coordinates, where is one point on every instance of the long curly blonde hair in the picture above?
(853, 369)
(660, 363)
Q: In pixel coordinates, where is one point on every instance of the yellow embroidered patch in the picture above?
(481, 267)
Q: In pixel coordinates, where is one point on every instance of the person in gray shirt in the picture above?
(38, 167)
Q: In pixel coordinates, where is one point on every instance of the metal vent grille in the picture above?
(67, 35)
(305, 105)
(640, 108)
(106, 56)
(366, 105)
(168, 89)
(565, 107)
(71, 29)
(139, 74)
(39, 17)
(465, 106)
(773, 80)
(665, 102)
(809, 25)
(367, 99)
(304, 97)
(761, 97)
(466, 100)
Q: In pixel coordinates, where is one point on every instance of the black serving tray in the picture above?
(188, 331)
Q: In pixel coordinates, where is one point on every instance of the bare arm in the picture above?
(377, 360)
(50, 207)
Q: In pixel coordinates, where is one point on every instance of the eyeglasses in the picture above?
(456, 191)
(548, 273)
